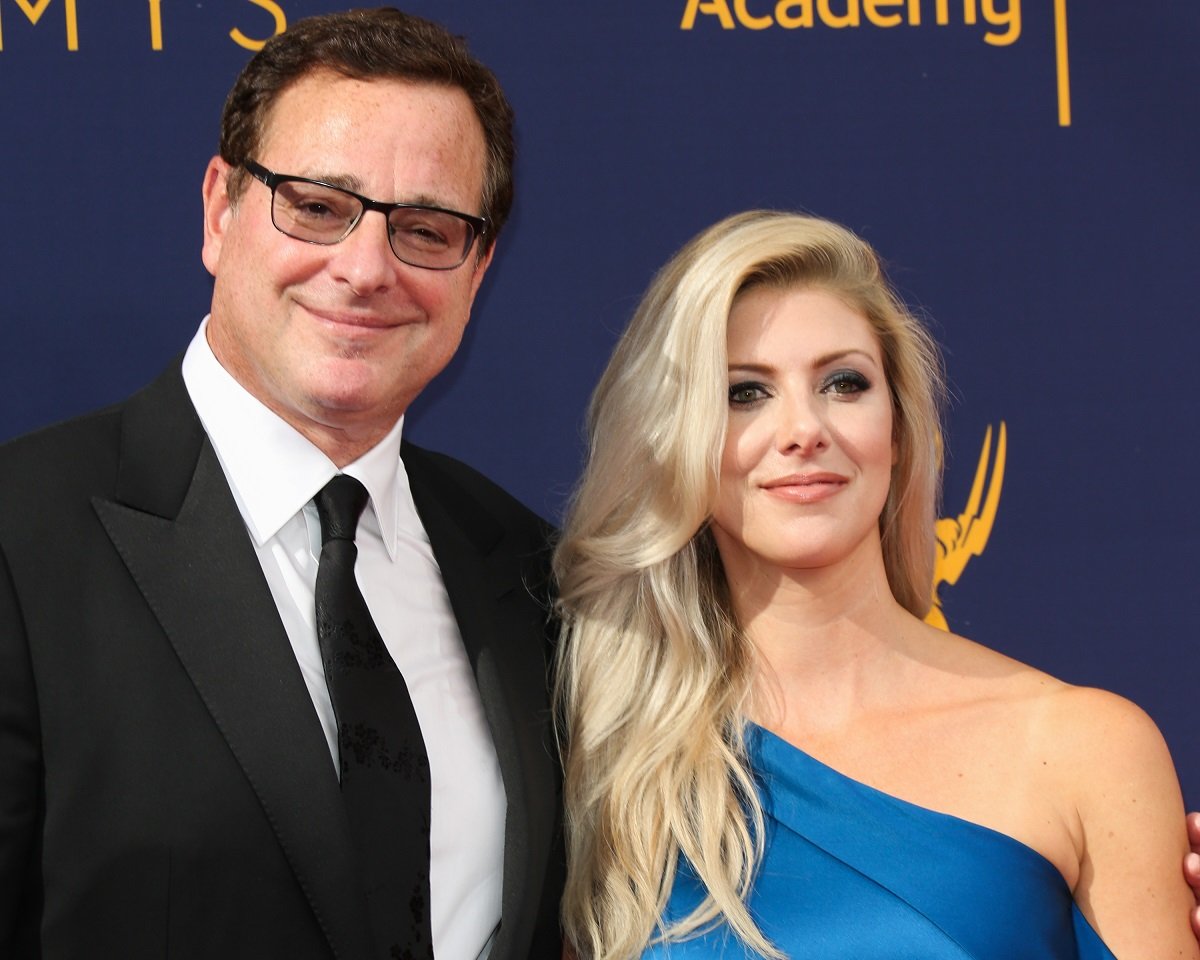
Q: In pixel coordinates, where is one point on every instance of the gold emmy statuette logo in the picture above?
(963, 537)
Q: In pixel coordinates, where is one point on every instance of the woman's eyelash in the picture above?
(845, 382)
(839, 383)
(747, 392)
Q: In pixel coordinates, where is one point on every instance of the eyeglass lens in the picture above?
(419, 236)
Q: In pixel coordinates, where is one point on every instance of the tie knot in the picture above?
(339, 505)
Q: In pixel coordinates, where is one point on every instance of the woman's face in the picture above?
(808, 452)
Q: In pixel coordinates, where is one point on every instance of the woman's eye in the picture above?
(741, 394)
(845, 382)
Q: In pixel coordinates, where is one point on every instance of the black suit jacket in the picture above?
(165, 787)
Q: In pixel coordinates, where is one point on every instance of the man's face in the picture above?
(339, 339)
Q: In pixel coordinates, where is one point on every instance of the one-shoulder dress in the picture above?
(851, 873)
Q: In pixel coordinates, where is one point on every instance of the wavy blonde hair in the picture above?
(653, 672)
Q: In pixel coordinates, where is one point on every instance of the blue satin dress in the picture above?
(854, 874)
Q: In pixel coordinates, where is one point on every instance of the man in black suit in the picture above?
(171, 741)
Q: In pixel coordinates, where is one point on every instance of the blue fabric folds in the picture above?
(855, 874)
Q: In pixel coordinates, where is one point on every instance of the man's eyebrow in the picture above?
(344, 180)
(347, 181)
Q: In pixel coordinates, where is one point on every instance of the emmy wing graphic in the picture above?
(963, 537)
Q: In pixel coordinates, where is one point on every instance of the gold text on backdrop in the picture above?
(840, 14)
(998, 20)
(33, 10)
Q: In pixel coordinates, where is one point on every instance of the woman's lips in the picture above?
(805, 488)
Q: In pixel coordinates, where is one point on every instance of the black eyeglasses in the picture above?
(317, 212)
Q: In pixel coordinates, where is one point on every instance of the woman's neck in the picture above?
(829, 642)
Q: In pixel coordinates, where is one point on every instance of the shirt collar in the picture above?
(272, 469)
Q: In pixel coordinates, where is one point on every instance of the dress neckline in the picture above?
(766, 745)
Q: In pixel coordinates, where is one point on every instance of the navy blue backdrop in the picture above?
(1027, 168)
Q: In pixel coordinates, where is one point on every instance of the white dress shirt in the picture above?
(274, 472)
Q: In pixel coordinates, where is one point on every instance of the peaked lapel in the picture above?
(179, 532)
(502, 627)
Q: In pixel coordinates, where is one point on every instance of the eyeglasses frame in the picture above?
(271, 180)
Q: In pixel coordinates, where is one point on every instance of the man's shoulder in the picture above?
(48, 479)
(82, 442)
(84, 452)
(453, 478)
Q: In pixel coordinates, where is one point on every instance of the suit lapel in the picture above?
(500, 626)
(178, 530)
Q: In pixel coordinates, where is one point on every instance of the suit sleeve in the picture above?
(20, 774)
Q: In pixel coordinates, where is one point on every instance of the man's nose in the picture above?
(365, 259)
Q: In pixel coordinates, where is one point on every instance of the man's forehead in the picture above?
(320, 84)
(321, 132)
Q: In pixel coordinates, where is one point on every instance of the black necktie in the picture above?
(384, 767)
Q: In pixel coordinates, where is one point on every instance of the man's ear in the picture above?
(217, 211)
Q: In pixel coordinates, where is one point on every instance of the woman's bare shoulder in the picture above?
(987, 672)
(1091, 737)
(1089, 724)
(1076, 726)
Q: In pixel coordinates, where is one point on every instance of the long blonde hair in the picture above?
(653, 672)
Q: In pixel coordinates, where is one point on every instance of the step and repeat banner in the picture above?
(1026, 167)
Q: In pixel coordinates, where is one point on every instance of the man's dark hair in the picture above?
(379, 43)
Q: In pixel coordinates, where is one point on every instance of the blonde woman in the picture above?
(767, 752)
